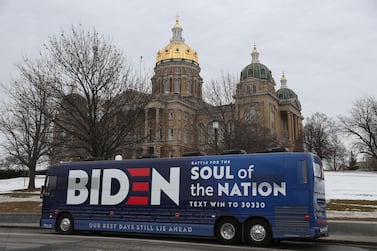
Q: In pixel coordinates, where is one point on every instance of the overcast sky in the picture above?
(327, 49)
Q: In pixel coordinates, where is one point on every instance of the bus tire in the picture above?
(64, 224)
(258, 232)
(228, 230)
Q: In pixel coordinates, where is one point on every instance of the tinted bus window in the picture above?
(318, 168)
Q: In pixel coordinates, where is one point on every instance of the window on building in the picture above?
(188, 86)
(166, 86)
(177, 85)
(251, 114)
(171, 133)
(171, 115)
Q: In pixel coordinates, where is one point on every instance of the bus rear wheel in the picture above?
(64, 224)
(258, 232)
(228, 230)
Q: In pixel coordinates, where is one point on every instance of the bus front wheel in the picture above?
(228, 230)
(65, 224)
(258, 232)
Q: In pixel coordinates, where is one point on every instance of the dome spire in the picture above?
(283, 81)
(254, 55)
(177, 31)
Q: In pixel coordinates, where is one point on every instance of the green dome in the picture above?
(286, 93)
(256, 70)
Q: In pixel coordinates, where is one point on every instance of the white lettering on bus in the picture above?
(159, 184)
(207, 172)
(263, 189)
(77, 193)
(78, 188)
(108, 176)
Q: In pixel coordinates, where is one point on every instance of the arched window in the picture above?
(166, 86)
(251, 114)
(177, 85)
(188, 86)
(249, 89)
(171, 133)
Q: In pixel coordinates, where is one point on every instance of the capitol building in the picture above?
(178, 120)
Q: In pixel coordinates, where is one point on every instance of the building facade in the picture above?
(178, 120)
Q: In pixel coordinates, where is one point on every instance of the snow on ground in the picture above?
(16, 184)
(351, 185)
(9, 185)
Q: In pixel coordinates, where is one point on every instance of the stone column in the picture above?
(290, 133)
(157, 124)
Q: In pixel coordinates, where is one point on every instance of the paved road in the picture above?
(43, 240)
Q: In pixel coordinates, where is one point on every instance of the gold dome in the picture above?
(177, 49)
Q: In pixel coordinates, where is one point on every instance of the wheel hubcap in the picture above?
(227, 231)
(258, 232)
(65, 224)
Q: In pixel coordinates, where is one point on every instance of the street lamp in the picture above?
(215, 125)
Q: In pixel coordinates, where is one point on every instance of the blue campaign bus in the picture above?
(256, 198)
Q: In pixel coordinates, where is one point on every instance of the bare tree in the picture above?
(238, 128)
(98, 97)
(321, 137)
(352, 163)
(362, 123)
(23, 123)
(220, 94)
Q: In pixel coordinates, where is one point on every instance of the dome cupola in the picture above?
(177, 49)
(256, 69)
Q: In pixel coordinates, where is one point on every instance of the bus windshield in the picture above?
(318, 168)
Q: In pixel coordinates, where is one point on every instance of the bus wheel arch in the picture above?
(258, 232)
(64, 223)
(228, 230)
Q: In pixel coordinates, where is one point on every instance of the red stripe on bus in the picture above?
(139, 172)
(140, 186)
(137, 200)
